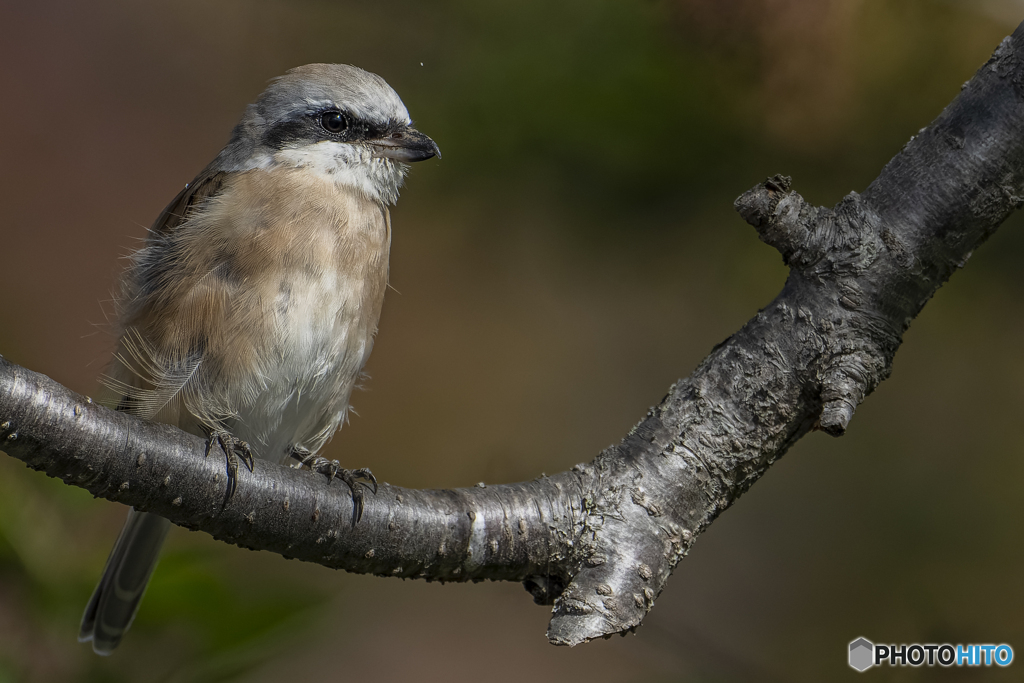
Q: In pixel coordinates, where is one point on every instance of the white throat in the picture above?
(343, 163)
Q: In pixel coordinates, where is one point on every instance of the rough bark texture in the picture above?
(600, 541)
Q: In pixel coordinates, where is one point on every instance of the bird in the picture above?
(247, 316)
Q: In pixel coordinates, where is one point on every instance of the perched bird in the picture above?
(251, 310)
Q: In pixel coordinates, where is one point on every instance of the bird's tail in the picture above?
(116, 599)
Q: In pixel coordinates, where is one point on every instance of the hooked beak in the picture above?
(406, 145)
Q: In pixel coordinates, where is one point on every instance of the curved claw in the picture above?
(363, 473)
(333, 469)
(234, 449)
(246, 454)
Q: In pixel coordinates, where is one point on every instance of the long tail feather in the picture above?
(116, 599)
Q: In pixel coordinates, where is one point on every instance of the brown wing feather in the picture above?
(128, 374)
(206, 185)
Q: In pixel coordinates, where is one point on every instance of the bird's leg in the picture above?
(332, 468)
(233, 448)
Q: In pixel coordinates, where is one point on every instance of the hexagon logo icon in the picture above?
(862, 654)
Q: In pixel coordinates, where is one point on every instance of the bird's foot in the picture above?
(234, 449)
(332, 469)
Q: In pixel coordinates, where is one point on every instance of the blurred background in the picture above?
(574, 253)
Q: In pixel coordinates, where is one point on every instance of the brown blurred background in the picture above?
(574, 253)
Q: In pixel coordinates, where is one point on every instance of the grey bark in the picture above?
(600, 541)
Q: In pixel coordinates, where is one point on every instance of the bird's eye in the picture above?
(333, 122)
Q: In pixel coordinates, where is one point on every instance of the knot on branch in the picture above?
(757, 205)
(637, 522)
(612, 589)
(836, 252)
(811, 237)
(774, 212)
(857, 359)
(843, 387)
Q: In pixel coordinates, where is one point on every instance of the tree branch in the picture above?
(600, 541)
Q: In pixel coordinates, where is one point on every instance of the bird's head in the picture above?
(335, 120)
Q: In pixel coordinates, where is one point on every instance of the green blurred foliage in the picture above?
(574, 253)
